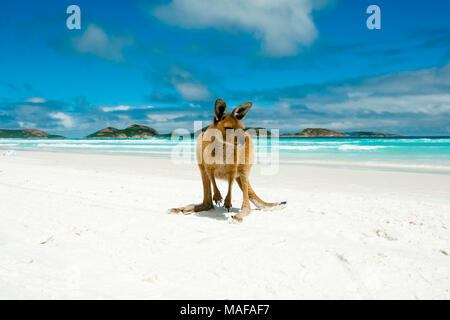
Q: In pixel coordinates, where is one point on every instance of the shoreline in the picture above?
(371, 165)
(168, 136)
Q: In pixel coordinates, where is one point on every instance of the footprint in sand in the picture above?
(383, 234)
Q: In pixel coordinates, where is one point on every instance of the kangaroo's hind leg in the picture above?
(228, 197)
(245, 209)
(257, 201)
(207, 203)
(217, 197)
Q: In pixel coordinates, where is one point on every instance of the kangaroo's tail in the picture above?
(257, 201)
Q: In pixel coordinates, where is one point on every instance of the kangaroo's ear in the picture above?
(220, 109)
(241, 110)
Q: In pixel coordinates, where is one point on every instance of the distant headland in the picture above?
(27, 134)
(131, 132)
(139, 131)
(324, 133)
(315, 132)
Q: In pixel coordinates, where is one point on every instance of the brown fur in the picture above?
(213, 166)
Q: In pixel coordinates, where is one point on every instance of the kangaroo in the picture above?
(225, 151)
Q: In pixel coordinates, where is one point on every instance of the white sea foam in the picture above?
(310, 142)
(303, 147)
(8, 144)
(357, 147)
(421, 167)
(340, 147)
(97, 146)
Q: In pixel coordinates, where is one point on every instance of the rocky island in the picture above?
(325, 133)
(27, 134)
(367, 134)
(139, 131)
(132, 132)
(315, 132)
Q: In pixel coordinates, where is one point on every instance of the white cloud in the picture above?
(436, 79)
(66, 120)
(192, 91)
(26, 125)
(97, 42)
(164, 117)
(408, 102)
(36, 100)
(282, 25)
(431, 104)
(421, 91)
(123, 108)
(189, 88)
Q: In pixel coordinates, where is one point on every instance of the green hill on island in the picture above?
(315, 132)
(368, 134)
(323, 133)
(27, 134)
(139, 131)
(132, 132)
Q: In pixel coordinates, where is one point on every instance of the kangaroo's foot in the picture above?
(191, 209)
(245, 211)
(238, 217)
(218, 200)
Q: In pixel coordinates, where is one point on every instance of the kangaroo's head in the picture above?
(224, 121)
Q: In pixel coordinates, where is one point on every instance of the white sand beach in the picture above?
(96, 226)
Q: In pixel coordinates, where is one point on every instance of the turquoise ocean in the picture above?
(417, 154)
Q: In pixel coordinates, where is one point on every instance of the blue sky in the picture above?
(303, 63)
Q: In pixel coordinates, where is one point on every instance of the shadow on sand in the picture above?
(218, 213)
